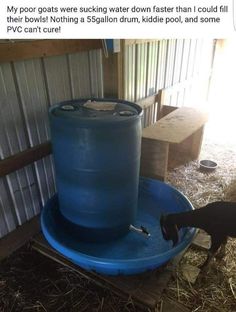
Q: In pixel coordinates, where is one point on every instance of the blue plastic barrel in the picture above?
(96, 148)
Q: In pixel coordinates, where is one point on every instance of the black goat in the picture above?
(218, 219)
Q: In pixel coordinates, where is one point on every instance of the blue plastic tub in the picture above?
(130, 254)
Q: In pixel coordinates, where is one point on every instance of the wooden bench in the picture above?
(173, 140)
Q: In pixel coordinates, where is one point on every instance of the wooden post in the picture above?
(154, 159)
(113, 74)
(22, 50)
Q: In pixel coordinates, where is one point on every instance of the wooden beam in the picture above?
(113, 71)
(147, 102)
(110, 72)
(21, 50)
(144, 289)
(170, 305)
(22, 159)
(17, 238)
(154, 159)
(138, 41)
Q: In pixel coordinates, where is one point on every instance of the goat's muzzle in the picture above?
(169, 231)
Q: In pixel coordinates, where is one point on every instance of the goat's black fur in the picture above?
(218, 219)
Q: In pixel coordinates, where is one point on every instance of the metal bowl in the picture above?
(207, 165)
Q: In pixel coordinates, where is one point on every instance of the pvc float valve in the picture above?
(142, 230)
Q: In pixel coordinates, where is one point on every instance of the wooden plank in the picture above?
(190, 272)
(154, 159)
(202, 241)
(22, 159)
(167, 109)
(160, 100)
(138, 41)
(21, 50)
(170, 305)
(18, 237)
(180, 154)
(110, 74)
(197, 138)
(145, 289)
(176, 126)
(147, 102)
(124, 288)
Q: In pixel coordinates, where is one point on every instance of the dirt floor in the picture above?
(31, 282)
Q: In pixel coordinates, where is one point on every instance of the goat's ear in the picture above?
(175, 236)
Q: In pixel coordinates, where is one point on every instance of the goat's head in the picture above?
(169, 230)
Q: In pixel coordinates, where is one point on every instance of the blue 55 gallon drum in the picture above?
(96, 148)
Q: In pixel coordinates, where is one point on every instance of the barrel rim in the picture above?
(98, 118)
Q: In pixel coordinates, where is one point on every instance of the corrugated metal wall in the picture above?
(27, 89)
(182, 66)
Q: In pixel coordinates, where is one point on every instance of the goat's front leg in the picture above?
(221, 253)
(216, 241)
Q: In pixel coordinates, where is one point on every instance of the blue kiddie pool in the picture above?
(131, 253)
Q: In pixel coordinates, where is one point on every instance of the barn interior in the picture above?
(185, 88)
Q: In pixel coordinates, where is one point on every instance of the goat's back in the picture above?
(217, 217)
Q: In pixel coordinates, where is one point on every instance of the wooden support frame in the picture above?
(110, 72)
(113, 66)
(154, 159)
(23, 233)
(145, 289)
(138, 41)
(18, 237)
(149, 101)
(22, 50)
(22, 159)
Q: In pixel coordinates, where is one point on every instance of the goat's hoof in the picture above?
(204, 268)
(220, 256)
(221, 262)
(202, 277)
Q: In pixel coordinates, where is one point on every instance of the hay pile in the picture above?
(31, 282)
(201, 187)
(215, 291)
